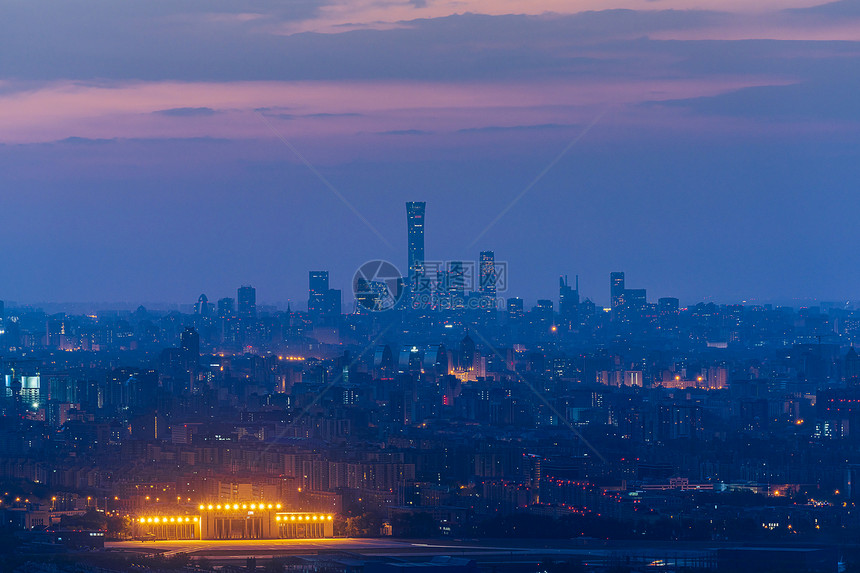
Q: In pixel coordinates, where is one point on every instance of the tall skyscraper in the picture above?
(515, 309)
(543, 314)
(333, 303)
(190, 345)
(616, 293)
(487, 273)
(635, 301)
(202, 307)
(226, 313)
(456, 281)
(568, 300)
(225, 307)
(667, 314)
(317, 290)
(247, 297)
(415, 236)
(324, 303)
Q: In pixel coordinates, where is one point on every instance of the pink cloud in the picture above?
(323, 109)
(344, 15)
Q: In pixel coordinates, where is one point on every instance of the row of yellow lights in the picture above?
(243, 506)
(167, 519)
(302, 518)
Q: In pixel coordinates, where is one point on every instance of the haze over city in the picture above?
(151, 152)
(429, 286)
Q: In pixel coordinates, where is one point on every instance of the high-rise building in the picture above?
(635, 300)
(667, 314)
(324, 303)
(190, 345)
(247, 297)
(415, 236)
(629, 305)
(202, 307)
(616, 292)
(456, 281)
(317, 291)
(487, 272)
(515, 308)
(543, 314)
(225, 307)
(568, 299)
(441, 296)
(333, 303)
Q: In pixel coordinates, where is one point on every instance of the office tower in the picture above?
(568, 299)
(441, 297)
(616, 293)
(324, 303)
(668, 306)
(515, 309)
(367, 295)
(487, 281)
(667, 313)
(190, 345)
(415, 236)
(634, 310)
(616, 288)
(487, 284)
(543, 314)
(247, 297)
(635, 300)
(317, 291)
(202, 307)
(332, 303)
(225, 307)
(456, 280)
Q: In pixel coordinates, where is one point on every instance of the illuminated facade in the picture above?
(616, 292)
(167, 527)
(317, 291)
(488, 274)
(235, 521)
(415, 236)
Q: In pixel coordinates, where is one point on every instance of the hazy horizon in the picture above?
(708, 149)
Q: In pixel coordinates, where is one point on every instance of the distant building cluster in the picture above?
(434, 415)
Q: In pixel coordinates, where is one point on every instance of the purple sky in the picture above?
(149, 152)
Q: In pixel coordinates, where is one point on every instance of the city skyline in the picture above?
(708, 149)
(469, 286)
(419, 268)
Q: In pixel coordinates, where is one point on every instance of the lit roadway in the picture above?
(270, 547)
(489, 552)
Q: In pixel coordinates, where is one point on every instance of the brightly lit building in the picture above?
(248, 520)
